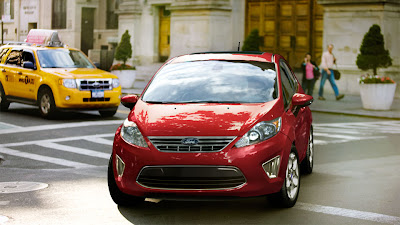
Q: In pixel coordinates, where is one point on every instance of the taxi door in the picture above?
(9, 70)
(27, 76)
(5, 76)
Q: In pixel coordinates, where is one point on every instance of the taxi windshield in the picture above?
(63, 58)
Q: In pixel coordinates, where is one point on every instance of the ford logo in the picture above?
(96, 84)
(190, 141)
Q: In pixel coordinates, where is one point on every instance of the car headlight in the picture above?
(260, 132)
(130, 133)
(69, 83)
(115, 83)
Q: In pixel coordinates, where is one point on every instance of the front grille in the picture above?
(96, 99)
(94, 84)
(191, 177)
(204, 144)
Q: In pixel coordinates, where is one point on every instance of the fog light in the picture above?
(67, 98)
(120, 165)
(271, 167)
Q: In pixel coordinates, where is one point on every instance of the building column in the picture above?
(345, 24)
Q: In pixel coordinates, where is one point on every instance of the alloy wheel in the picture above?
(45, 104)
(292, 176)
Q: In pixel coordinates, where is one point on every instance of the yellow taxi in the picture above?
(54, 77)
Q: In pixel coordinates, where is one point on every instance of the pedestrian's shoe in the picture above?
(339, 97)
(322, 98)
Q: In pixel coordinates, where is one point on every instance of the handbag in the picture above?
(336, 73)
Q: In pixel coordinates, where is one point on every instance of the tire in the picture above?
(289, 192)
(4, 104)
(118, 196)
(308, 162)
(108, 113)
(47, 106)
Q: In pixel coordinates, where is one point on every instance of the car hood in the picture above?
(80, 73)
(201, 119)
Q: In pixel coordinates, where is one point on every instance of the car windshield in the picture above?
(213, 81)
(63, 58)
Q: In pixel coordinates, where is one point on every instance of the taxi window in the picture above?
(3, 52)
(28, 57)
(14, 58)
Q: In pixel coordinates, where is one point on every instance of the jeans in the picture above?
(331, 79)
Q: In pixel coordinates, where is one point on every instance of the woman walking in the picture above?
(310, 74)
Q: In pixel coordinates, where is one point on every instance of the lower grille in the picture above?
(191, 177)
(96, 99)
(199, 144)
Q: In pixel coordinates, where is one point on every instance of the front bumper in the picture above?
(77, 99)
(247, 162)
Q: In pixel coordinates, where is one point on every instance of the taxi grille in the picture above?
(94, 84)
(203, 144)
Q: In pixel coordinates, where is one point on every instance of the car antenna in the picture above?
(239, 47)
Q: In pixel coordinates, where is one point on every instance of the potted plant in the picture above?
(377, 92)
(126, 73)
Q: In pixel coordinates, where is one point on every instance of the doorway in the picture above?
(87, 26)
(164, 33)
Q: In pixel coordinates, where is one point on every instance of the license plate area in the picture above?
(97, 93)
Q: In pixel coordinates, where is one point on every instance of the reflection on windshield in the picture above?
(213, 81)
(63, 58)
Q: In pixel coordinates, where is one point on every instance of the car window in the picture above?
(213, 81)
(292, 79)
(63, 58)
(14, 58)
(287, 89)
(3, 53)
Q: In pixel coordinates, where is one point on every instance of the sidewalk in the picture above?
(349, 105)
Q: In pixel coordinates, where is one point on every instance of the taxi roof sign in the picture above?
(44, 37)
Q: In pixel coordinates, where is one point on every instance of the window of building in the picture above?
(59, 14)
(7, 9)
(112, 17)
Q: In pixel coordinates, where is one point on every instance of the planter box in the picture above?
(126, 77)
(377, 96)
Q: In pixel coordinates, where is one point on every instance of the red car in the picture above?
(214, 125)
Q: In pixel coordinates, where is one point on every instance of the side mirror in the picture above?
(28, 65)
(302, 100)
(129, 101)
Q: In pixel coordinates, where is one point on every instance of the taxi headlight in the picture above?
(69, 83)
(260, 132)
(115, 83)
(130, 133)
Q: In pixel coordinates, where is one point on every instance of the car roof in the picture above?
(240, 56)
(23, 45)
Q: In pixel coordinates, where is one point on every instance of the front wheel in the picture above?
(47, 106)
(289, 192)
(308, 163)
(118, 196)
(4, 104)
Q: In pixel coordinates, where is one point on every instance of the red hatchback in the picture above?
(215, 124)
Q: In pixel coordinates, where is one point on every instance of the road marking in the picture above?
(57, 140)
(60, 126)
(3, 219)
(100, 140)
(7, 125)
(81, 151)
(123, 111)
(41, 158)
(4, 202)
(370, 216)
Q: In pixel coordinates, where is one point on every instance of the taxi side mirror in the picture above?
(302, 100)
(129, 101)
(28, 65)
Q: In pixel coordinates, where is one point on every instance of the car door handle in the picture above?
(19, 73)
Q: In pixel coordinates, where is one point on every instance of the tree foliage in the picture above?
(124, 48)
(252, 42)
(373, 54)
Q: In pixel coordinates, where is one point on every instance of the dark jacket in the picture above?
(316, 71)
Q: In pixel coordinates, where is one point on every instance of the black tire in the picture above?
(283, 198)
(4, 104)
(46, 103)
(118, 196)
(308, 162)
(108, 113)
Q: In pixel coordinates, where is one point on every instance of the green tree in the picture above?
(252, 42)
(373, 54)
(124, 48)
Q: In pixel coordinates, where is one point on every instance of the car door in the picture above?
(302, 123)
(10, 69)
(28, 78)
(5, 78)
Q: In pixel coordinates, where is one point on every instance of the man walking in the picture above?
(327, 62)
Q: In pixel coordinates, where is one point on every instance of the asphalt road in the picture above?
(355, 178)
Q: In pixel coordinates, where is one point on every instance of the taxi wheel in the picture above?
(308, 162)
(4, 104)
(47, 106)
(289, 192)
(108, 113)
(118, 196)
